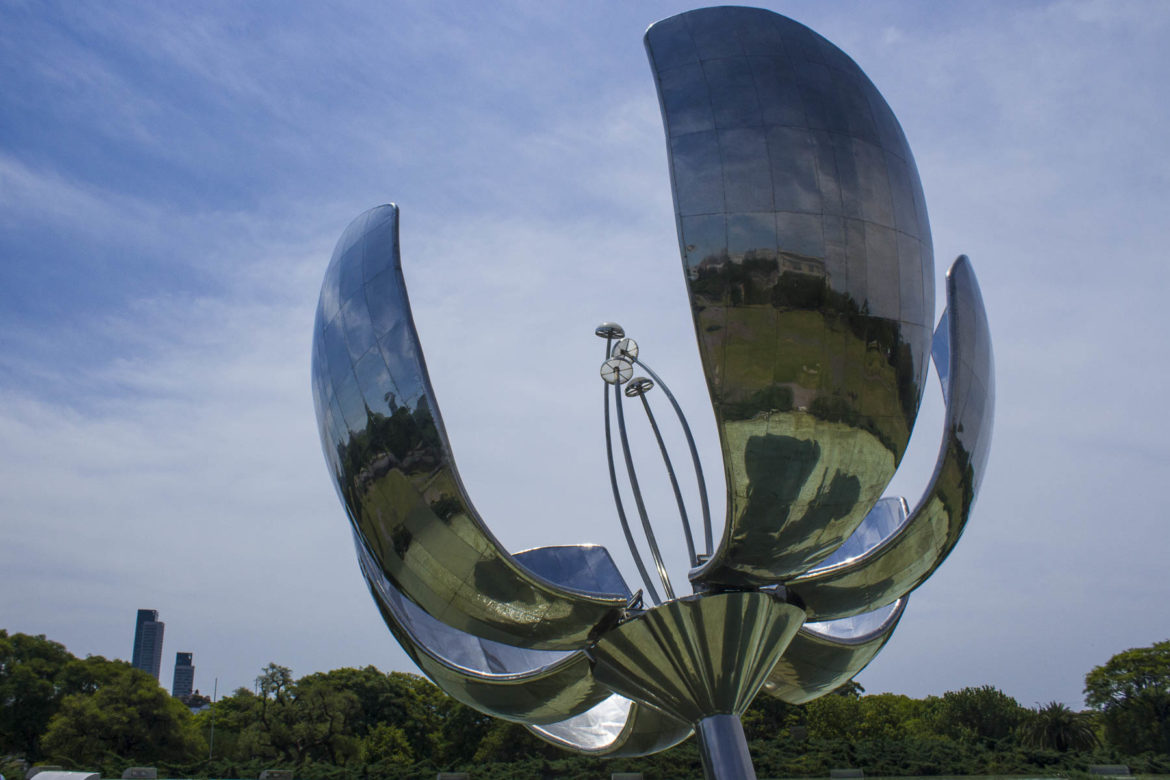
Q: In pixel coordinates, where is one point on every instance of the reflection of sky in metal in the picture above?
(857, 627)
(887, 516)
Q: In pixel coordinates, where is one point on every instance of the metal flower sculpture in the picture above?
(808, 259)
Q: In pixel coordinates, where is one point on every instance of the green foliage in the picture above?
(1132, 692)
(30, 690)
(770, 718)
(36, 675)
(289, 721)
(128, 716)
(1056, 727)
(985, 715)
(362, 724)
(386, 744)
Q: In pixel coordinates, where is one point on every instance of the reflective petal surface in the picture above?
(527, 686)
(808, 258)
(901, 562)
(386, 447)
(616, 727)
(697, 655)
(824, 656)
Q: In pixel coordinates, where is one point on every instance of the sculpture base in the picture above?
(724, 748)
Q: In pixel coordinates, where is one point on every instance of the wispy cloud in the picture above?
(171, 185)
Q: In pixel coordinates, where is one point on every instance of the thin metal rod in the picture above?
(707, 534)
(617, 500)
(682, 508)
(646, 527)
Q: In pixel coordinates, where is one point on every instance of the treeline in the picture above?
(102, 715)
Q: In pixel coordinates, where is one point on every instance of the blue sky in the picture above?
(173, 178)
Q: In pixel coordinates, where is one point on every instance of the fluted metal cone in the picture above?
(698, 656)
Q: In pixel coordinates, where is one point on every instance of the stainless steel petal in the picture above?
(614, 728)
(526, 686)
(588, 568)
(883, 521)
(824, 656)
(697, 656)
(808, 258)
(392, 465)
(901, 563)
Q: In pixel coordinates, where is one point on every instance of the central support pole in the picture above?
(724, 748)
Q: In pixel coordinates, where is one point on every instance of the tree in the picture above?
(36, 675)
(409, 702)
(386, 745)
(30, 690)
(892, 716)
(232, 715)
(290, 722)
(129, 717)
(984, 714)
(834, 717)
(1132, 691)
(1056, 727)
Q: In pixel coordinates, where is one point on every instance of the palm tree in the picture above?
(1056, 727)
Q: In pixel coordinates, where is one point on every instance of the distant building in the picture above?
(184, 680)
(148, 642)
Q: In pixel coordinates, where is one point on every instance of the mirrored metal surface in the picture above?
(385, 444)
(724, 749)
(614, 728)
(900, 563)
(588, 568)
(824, 656)
(883, 521)
(699, 655)
(518, 684)
(807, 253)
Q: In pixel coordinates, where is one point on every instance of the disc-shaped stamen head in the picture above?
(617, 371)
(610, 330)
(627, 348)
(637, 387)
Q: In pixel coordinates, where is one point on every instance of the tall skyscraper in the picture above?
(148, 642)
(184, 680)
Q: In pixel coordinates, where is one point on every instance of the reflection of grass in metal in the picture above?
(803, 361)
(815, 479)
(906, 559)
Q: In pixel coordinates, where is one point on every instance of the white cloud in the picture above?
(177, 465)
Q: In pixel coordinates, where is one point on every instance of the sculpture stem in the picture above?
(724, 748)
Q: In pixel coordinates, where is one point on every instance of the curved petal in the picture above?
(698, 655)
(808, 260)
(901, 563)
(588, 568)
(614, 728)
(885, 519)
(526, 686)
(824, 656)
(386, 447)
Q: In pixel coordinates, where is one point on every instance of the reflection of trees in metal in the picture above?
(806, 250)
